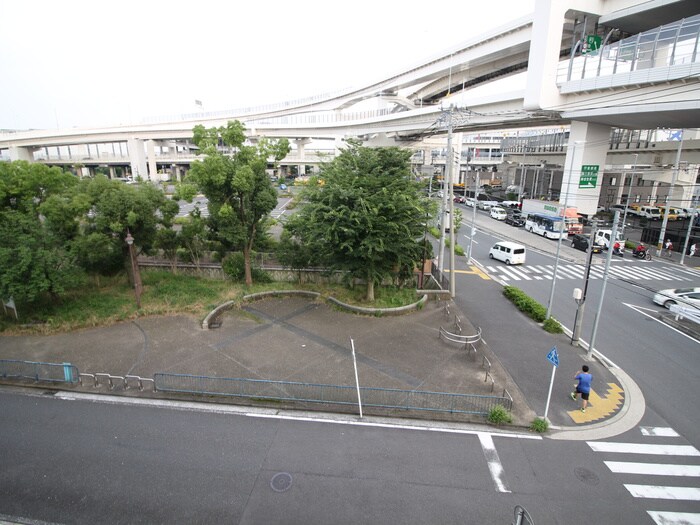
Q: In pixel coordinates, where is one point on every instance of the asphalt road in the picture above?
(71, 460)
(663, 361)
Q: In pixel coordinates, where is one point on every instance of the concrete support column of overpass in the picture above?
(151, 156)
(301, 154)
(112, 173)
(588, 146)
(20, 153)
(137, 158)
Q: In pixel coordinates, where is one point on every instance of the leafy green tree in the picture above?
(34, 229)
(113, 208)
(367, 218)
(193, 238)
(233, 178)
(293, 254)
(168, 241)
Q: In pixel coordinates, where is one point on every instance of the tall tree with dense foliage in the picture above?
(367, 218)
(232, 175)
(35, 227)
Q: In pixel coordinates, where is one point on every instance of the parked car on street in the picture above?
(688, 297)
(470, 202)
(580, 242)
(460, 199)
(498, 213)
(515, 218)
(486, 205)
(508, 252)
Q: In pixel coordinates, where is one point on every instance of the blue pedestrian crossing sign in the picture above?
(553, 356)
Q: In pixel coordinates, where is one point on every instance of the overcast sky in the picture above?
(67, 63)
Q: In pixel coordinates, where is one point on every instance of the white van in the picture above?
(508, 252)
(602, 237)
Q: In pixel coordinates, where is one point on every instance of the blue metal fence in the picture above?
(52, 372)
(330, 394)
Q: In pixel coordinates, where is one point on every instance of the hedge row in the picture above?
(525, 303)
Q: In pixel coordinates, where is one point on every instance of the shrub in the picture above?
(539, 425)
(525, 303)
(552, 326)
(499, 415)
(234, 266)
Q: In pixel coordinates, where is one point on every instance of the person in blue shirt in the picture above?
(583, 387)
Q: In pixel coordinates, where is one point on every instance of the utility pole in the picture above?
(446, 193)
(578, 321)
(473, 231)
(667, 208)
(613, 238)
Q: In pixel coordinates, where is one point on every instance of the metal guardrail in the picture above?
(330, 394)
(38, 371)
(469, 341)
(126, 382)
(683, 312)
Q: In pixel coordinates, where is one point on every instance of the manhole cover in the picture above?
(585, 475)
(281, 482)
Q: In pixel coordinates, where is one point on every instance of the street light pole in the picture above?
(667, 208)
(629, 193)
(134, 269)
(562, 227)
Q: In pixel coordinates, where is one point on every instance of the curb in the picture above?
(210, 320)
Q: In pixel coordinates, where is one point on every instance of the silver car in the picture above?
(681, 296)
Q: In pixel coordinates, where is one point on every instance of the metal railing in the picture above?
(38, 371)
(383, 398)
(674, 44)
(469, 342)
(683, 312)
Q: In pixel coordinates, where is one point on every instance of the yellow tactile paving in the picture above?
(598, 407)
(473, 271)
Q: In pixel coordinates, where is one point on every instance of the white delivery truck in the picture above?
(554, 209)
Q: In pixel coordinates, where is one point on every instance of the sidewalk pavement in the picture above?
(305, 340)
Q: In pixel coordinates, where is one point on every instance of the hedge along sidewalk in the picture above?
(210, 321)
(532, 309)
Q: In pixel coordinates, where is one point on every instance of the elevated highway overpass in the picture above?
(645, 75)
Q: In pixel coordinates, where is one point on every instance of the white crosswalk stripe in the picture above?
(541, 272)
(654, 480)
(681, 518)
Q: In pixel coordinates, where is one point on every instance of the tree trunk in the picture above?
(370, 289)
(246, 263)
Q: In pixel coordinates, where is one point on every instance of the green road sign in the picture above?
(592, 44)
(589, 176)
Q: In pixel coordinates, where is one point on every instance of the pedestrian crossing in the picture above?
(666, 475)
(543, 272)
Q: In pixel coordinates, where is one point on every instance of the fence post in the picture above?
(67, 372)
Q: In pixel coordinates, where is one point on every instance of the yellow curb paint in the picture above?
(598, 407)
(474, 271)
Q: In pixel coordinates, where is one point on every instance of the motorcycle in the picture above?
(617, 250)
(642, 253)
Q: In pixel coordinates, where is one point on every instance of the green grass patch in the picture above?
(165, 293)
